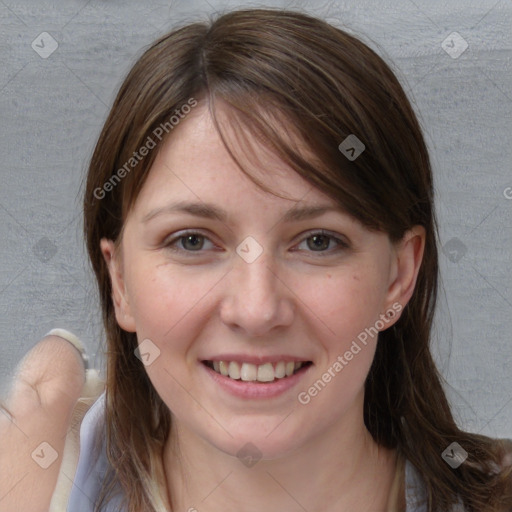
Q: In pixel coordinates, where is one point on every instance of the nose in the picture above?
(257, 299)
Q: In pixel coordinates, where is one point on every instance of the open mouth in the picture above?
(267, 372)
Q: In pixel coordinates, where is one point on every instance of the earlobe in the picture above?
(407, 262)
(120, 297)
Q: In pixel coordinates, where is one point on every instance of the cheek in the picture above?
(164, 298)
(343, 310)
(172, 307)
(346, 302)
(169, 305)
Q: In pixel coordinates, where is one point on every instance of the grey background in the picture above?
(52, 111)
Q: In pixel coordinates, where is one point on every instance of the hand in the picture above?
(47, 384)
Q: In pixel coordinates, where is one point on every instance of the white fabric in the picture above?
(90, 472)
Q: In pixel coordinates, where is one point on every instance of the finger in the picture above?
(47, 384)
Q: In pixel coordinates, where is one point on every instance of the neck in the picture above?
(341, 470)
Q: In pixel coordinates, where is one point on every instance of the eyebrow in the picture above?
(210, 211)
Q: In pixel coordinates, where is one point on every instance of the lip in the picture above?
(253, 389)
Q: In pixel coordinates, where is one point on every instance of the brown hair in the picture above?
(326, 84)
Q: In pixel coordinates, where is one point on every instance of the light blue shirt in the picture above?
(90, 472)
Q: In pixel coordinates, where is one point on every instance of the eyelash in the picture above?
(341, 244)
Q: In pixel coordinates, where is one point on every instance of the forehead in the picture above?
(194, 164)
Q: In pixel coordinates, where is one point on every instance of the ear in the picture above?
(113, 258)
(405, 268)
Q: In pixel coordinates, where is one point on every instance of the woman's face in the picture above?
(212, 269)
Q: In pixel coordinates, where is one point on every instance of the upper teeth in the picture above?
(252, 372)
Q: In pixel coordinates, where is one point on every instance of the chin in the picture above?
(255, 444)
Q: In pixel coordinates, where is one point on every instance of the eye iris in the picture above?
(318, 242)
(193, 242)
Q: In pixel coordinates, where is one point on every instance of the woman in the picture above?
(259, 216)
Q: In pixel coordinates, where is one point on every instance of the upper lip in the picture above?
(257, 360)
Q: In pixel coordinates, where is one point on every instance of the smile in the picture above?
(267, 372)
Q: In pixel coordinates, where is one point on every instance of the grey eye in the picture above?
(192, 242)
(319, 242)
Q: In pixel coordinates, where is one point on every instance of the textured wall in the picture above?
(53, 104)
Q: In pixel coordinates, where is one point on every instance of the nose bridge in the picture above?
(260, 280)
(256, 300)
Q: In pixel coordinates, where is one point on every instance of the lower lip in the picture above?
(251, 389)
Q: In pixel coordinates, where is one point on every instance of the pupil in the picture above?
(319, 242)
(193, 242)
